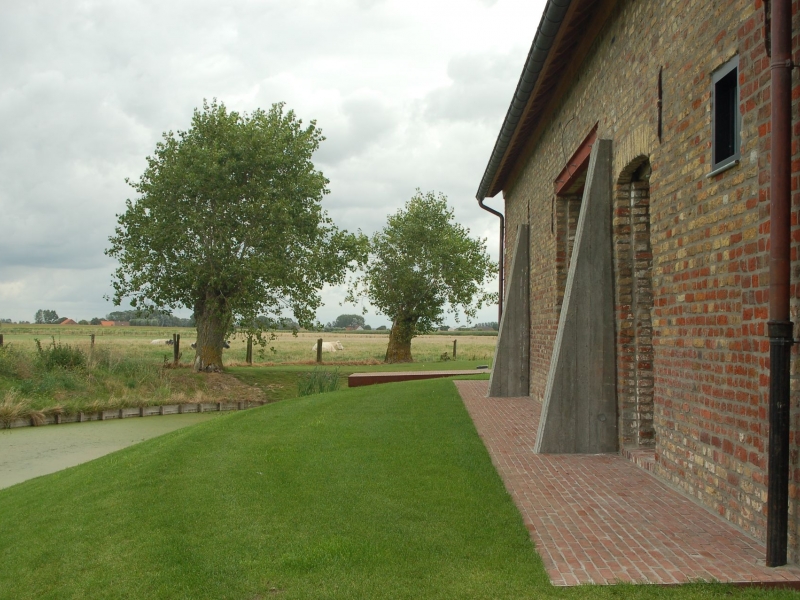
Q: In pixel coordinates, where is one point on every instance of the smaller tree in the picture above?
(45, 317)
(343, 321)
(423, 265)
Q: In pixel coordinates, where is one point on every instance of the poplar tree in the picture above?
(423, 265)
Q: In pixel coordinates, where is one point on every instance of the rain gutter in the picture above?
(553, 15)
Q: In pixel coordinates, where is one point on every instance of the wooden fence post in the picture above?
(1, 340)
(319, 350)
(249, 357)
(176, 348)
(454, 348)
(91, 343)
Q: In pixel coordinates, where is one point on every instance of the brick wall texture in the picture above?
(690, 252)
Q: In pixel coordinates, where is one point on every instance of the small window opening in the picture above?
(725, 135)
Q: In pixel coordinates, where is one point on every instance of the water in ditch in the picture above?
(29, 452)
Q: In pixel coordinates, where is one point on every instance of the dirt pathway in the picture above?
(30, 452)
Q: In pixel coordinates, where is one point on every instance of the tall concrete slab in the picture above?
(579, 410)
(511, 367)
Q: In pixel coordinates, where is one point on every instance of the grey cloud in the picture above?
(365, 121)
(88, 87)
(72, 293)
(368, 187)
(480, 89)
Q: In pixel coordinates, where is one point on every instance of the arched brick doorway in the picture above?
(633, 268)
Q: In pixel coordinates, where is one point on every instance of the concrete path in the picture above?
(601, 519)
(30, 452)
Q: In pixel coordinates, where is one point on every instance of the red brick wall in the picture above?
(709, 271)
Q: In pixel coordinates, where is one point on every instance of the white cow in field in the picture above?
(329, 346)
(160, 342)
(226, 345)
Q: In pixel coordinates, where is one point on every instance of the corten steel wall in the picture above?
(709, 237)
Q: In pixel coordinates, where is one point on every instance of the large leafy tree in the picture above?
(228, 221)
(421, 266)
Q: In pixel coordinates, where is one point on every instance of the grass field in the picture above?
(125, 369)
(359, 347)
(364, 493)
(279, 382)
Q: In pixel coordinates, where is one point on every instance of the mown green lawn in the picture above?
(373, 492)
(279, 382)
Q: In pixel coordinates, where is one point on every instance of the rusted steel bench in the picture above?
(359, 379)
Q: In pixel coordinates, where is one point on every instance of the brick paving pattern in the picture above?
(601, 519)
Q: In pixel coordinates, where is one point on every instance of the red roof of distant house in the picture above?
(107, 323)
(68, 322)
(115, 323)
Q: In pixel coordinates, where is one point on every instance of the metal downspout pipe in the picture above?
(502, 256)
(780, 326)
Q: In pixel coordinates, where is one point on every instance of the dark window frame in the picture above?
(725, 115)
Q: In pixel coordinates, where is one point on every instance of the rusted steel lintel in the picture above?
(360, 379)
(577, 164)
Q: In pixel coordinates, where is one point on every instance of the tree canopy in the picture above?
(343, 321)
(229, 222)
(423, 265)
(45, 316)
(152, 318)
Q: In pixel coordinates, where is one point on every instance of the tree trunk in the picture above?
(399, 350)
(212, 324)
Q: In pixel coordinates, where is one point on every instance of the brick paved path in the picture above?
(602, 519)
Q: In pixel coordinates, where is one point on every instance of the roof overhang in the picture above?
(564, 38)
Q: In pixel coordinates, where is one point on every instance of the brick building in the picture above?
(681, 91)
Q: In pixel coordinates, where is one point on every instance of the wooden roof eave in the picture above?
(574, 40)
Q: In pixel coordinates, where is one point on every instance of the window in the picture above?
(725, 115)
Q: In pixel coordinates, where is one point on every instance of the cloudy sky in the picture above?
(409, 93)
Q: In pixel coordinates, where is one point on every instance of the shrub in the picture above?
(9, 361)
(318, 382)
(57, 355)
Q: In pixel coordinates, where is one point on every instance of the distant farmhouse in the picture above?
(68, 322)
(115, 323)
(648, 163)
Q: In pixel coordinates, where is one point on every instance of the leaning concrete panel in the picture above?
(511, 367)
(579, 407)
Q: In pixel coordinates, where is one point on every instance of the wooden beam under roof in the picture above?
(582, 24)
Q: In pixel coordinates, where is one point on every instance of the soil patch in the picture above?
(215, 387)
